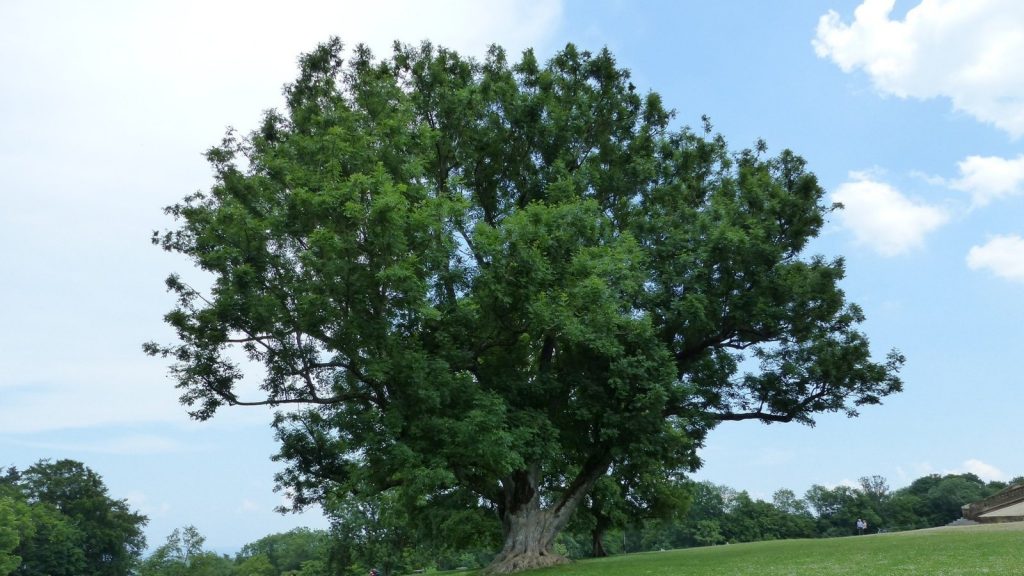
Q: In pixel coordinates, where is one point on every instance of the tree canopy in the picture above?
(64, 522)
(491, 284)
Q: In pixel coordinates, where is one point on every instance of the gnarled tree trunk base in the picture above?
(598, 550)
(530, 531)
(511, 563)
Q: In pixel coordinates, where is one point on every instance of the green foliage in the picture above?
(495, 283)
(314, 568)
(182, 554)
(11, 521)
(53, 545)
(211, 564)
(629, 497)
(937, 499)
(375, 531)
(837, 509)
(707, 533)
(177, 556)
(720, 515)
(258, 565)
(929, 501)
(702, 524)
(288, 551)
(69, 525)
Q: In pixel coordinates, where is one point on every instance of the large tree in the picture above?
(496, 279)
(79, 528)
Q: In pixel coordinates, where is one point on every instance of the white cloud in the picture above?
(906, 475)
(80, 404)
(985, 471)
(882, 218)
(108, 106)
(172, 75)
(139, 444)
(989, 178)
(248, 505)
(132, 445)
(846, 482)
(967, 51)
(258, 50)
(84, 395)
(1001, 255)
(140, 501)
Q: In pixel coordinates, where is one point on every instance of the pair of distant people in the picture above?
(862, 525)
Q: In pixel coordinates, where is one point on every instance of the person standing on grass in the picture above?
(861, 526)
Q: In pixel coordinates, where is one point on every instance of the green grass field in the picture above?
(989, 549)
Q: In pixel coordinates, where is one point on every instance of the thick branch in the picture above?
(788, 416)
(595, 467)
(759, 415)
(260, 339)
(688, 352)
(480, 261)
(233, 400)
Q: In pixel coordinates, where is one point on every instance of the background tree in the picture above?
(634, 491)
(375, 531)
(837, 509)
(52, 544)
(937, 499)
(703, 523)
(901, 512)
(106, 532)
(12, 521)
(796, 520)
(256, 565)
(175, 555)
(288, 551)
(875, 489)
(501, 279)
(68, 524)
(182, 554)
(750, 520)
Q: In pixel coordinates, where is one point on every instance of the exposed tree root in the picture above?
(509, 564)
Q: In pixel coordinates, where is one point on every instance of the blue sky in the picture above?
(910, 113)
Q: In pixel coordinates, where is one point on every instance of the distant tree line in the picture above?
(57, 519)
(666, 515)
(720, 514)
(380, 532)
(300, 552)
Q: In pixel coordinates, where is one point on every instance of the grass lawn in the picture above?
(962, 550)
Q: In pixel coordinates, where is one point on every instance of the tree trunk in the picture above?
(528, 542)
(530, 530)
(601, 525)
(598, 550)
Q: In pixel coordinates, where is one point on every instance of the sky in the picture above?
(910, 113)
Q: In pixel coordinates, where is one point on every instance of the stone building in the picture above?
(1006, 506)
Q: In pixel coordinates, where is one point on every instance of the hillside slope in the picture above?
(963, 550)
